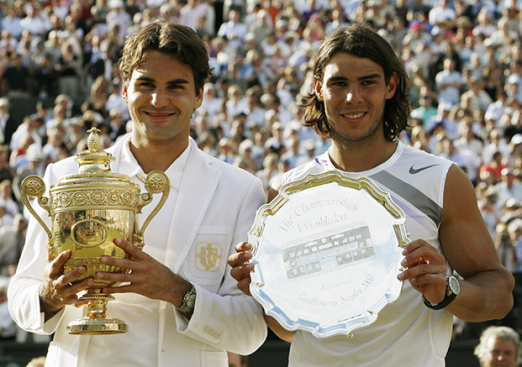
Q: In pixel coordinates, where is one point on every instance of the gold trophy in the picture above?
(88, 210)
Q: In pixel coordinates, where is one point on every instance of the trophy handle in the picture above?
(155, 183)
(33, 187)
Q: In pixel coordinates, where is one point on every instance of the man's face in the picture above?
(354, 93)
(502, 353)
(162, 97)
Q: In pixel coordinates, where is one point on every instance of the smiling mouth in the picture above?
(353, 117)
(158, 114)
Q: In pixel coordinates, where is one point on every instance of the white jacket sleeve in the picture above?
(23, 292)
(229, 320)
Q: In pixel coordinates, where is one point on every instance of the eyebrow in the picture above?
(364, 77)
(171, 82)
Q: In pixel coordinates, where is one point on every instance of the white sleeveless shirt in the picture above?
(406, 333)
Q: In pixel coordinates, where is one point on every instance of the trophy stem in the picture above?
(96, 322)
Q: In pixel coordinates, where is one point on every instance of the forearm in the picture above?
(484, 296)
(280, 331)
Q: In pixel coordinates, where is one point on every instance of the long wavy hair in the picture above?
(362, 41)
(177, 40)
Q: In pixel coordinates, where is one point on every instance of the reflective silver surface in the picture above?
(327, 252)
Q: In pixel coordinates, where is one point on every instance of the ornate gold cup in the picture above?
(88, 210)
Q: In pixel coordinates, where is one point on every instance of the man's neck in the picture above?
(156, 156)
(350, 158)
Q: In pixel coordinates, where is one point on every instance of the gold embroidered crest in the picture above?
(208, 256)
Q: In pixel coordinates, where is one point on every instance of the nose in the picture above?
(352, 94)
(159, 98)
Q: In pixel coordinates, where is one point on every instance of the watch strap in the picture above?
(450, 297)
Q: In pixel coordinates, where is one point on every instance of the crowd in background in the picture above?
(464, 58)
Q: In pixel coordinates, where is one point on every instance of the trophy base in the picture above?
(97, 327)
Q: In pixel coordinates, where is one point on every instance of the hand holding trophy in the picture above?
(88, 210)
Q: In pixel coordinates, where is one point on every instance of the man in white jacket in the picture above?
(179, 312)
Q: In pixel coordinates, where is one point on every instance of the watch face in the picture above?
(454, 285)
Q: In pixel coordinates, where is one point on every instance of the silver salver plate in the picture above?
(327, 252)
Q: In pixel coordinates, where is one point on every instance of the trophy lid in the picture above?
(93, 159)
(94, 162)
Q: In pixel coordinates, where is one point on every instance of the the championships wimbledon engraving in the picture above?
(328, 253)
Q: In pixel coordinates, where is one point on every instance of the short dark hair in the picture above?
(180, 41)
(362, 41)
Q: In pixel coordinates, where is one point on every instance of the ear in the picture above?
(124, 92)
(318, 89)
(391, 88)
(199, 99)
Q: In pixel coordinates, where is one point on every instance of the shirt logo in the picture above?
(414, 171)
(208, 256)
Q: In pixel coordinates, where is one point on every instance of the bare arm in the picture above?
(486, 291)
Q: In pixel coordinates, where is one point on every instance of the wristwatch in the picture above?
(452, 291)
(189, 301)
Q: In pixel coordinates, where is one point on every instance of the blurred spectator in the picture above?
(426, 110)
(118, 15)
(8, 125)
(16, 76)
(6, 198)
(270, 170)
(443, 117)
(44, 78)
(11, 22)
(509, 187)
(18, 155)
(68, 67)
(294, 153)
(448, 83)
(233, 30)
(494, 167)
(116, 124)
(505, 248)
(12, 240)
(36, 21)
(499, 346)
(7, 325)
(115, 99)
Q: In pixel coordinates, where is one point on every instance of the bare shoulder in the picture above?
(464, 237)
